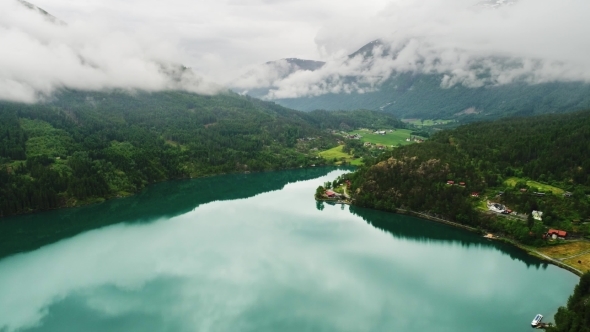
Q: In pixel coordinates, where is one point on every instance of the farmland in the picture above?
(540, 186)
(337, 153)
(394, 138)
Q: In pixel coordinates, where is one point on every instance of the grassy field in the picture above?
(542, 187)
(394, 138)
(566, 250)
(581, 262)
(338, 154)
(418, 122)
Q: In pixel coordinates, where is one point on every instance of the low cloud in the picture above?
(109, 44)
(41, 55)
(463, 41)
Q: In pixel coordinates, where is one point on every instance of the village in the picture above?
(501, 209)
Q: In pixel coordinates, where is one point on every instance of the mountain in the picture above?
(81, 146)
(42, 12)
(543, 155)
(418, 95)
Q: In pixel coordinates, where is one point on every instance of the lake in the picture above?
(256, 252)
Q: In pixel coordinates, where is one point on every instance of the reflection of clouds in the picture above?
(268, 262)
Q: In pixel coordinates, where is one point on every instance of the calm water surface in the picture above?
(257, 253)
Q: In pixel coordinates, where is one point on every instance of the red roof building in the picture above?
(450, 182)
(330, 193)
(557, 232)
(474, 194)
(462, 184)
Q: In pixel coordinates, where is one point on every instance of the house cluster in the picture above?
(371, 145)
(414, 139)
(332, 194)
(355, 136)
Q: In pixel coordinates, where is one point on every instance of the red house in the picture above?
(474, 194)
(450, 182)
(330, 193)
(462, 184)
(556, 232)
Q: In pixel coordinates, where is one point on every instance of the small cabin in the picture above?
(330, 193)
(556, 233)
(451, 182)
(462, 184)
(474, 194)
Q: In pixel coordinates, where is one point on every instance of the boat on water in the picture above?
(537, 320)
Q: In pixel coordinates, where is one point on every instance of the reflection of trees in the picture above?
(163, 200)
(319, 205)
(420, 230)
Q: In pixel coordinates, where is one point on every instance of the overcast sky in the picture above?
(136, 44)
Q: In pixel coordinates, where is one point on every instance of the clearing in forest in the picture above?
(541, 186)
(394, 138)
(337, 153)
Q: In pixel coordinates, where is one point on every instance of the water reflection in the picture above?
(275, 262)
(420, 230)
(163, 200)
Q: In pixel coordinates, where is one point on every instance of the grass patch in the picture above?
(337, 153)
(566, 249)
(584, 266)
(541, 186)
(394, 138)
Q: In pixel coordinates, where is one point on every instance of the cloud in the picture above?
(41, 56)
(135, 44)
(464, 42)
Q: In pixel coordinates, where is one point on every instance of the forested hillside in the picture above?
(83, 146)
(408, 95)
(575, 317)
(539, 163)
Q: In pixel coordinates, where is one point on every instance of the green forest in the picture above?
(82, 147)
(411, 95)
(487, 157)
(575, 317)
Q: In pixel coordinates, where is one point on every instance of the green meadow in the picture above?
(541, 186)
(336, 153)
(394, 138)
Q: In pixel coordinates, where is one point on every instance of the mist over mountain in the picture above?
(411, 94)
(449, 59)
(47, 54)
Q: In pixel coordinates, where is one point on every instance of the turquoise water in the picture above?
(257, 253)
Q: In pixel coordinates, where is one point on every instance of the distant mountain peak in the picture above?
(45, 14)
(367, 50)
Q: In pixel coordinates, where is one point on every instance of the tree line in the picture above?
(86, 146)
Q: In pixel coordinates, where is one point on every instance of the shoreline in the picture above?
(99, 200)
(529, 250)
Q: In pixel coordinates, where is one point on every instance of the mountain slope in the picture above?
(84, 146)
(418, 95)
(488, 157)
